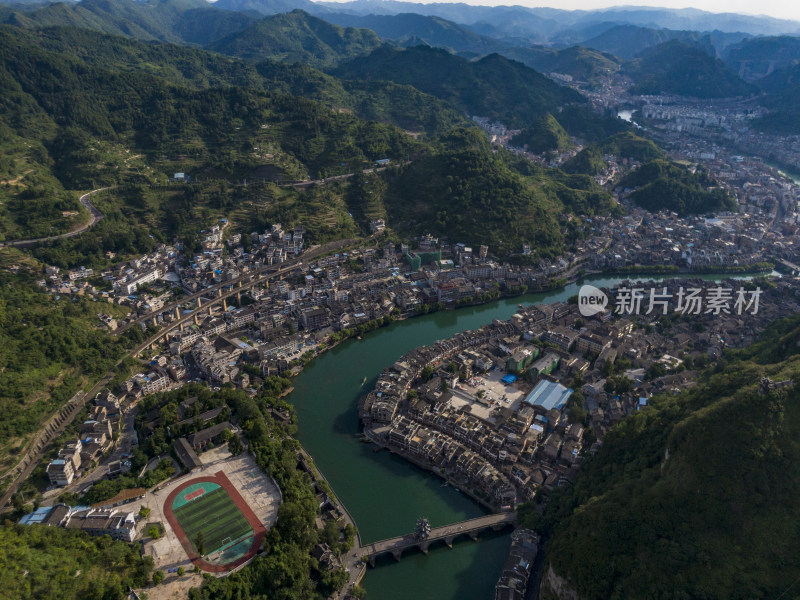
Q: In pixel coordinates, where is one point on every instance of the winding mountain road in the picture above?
(95, 214)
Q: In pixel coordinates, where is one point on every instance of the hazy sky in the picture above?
(782, 9)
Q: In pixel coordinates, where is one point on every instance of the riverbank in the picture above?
(383, 492)
(458, 486)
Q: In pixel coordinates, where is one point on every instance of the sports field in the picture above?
(208, 509)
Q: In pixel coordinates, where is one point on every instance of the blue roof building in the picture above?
(548, 395)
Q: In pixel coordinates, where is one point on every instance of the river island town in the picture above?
(300, 378)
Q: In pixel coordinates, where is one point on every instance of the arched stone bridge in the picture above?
(448, 533)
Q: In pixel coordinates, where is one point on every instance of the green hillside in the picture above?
(782, 89)
(82, 110)
(197, 69)
(297, 37)
(493, 87)
(430, 30)
(589, 126)
(695, 496)
(630, 145)
(152, 20)
(630, 41)
(583, 64)
(757, 57)
(678, 68)
(468, 193)
(623, 145)
(589, 161)
(545, 135)
(661, 185)
(67, 565)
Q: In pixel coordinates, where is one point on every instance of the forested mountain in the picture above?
(493, 87)
(783, 90)
(192, 21)
(681, 69)
(78, 106)
(623, 145)
(583, 64)
(545, 135)
(661, 185)
(466, 191)
(755, 58)
(629, 41)
(433, 31)
(689, 497)
(297, 37)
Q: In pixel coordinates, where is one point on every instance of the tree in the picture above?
(199, 543)
(235, 445)
(154, 532)
(158, 577)
(181, 571)
(144, 512)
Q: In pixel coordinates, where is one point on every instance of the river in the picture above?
(384, 494)
(783, 170)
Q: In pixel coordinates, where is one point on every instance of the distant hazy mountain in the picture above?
(757, 57)
(676, 67)
(192, 21)
(519, 21)
(494, 87)
(268, 7)
(433, 31)
(297, 37)
(629, 41)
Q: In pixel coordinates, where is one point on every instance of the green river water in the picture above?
(384, 494)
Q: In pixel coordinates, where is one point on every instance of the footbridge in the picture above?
(448, 534)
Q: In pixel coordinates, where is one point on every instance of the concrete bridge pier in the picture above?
(473, 535)
(209, 311)
(239, 298)
(371, 561)
(225, 304)
(424, 546)
(180, 327)
(199, 304)
(449, 541)
(219, 292)
(398, 554)
(177, 313)
(196, 320)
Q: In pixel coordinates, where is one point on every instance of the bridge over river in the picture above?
(448, 533)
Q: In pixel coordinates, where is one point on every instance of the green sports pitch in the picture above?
(208, 509)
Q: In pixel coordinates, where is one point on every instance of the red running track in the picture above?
(259, 531)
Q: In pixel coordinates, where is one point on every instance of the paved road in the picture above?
(95, 214)
(35, 452)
